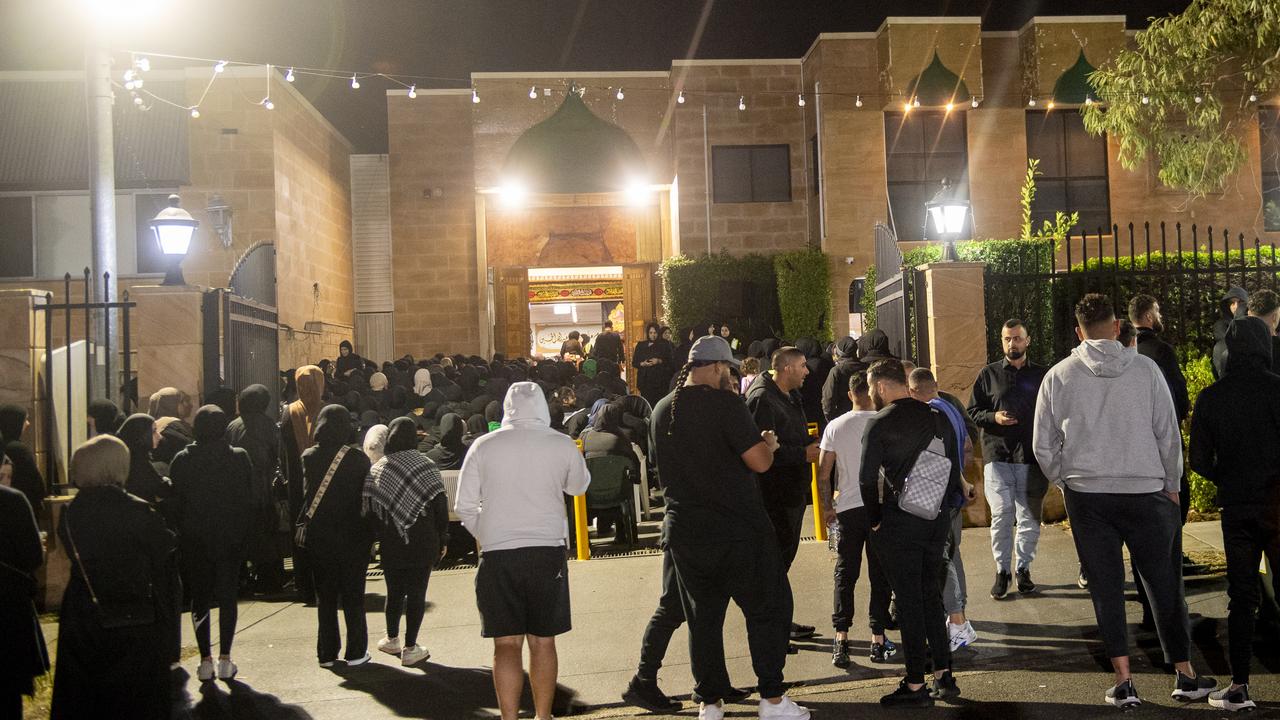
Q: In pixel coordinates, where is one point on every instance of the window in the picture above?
(1269, 129)
(751, 173)
(1073, 164)
(922, 148)
(17, 237)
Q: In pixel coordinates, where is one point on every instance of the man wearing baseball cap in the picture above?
(719, 537)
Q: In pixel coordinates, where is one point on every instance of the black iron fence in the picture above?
(1186, 268)
(97, 347)
(241, 344)
(901, 300)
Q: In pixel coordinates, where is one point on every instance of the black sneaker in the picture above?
(1025, 585)
(883, 652)
(646, 694)
(1123, 696)
(1000, 588)
(1082, 580)
(1232, 700)
(802, 632)
(1186, 689)
(944, 687)
(734, 694)
(906, 697)
(840, 654)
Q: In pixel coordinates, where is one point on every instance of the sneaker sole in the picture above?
(419, 661)
(1127, 704)
(389, 651)
(1233, 707)
(1191, 695)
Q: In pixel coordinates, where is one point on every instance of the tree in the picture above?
(1189, 89)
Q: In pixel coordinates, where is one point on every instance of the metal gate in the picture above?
(901, 302)
(241, 344)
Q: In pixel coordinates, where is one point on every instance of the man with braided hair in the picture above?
(719, 539)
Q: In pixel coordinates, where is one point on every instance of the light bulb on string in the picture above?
(288, 77)
(1031, 102)
(950, 106)
(220, 66)
(680, 97)
(906, 107)
(620, 95)
(1253, 97)
(266, 103)
(915, 102)
(475, 96)
(1088, 100)
(973, 102)
(857, 101)
(137, 100)
(143, 64)
(413, 91)
(355, 82)
(742, 102)
(1198, 99)
(533, 93)
(1050, 105)
(1146, 100)
(800, 100)
(195, 113)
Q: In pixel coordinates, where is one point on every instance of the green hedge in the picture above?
(1199, 375)
(804, 294)
(697, 291)
(869, 300)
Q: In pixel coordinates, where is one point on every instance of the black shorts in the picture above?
(524, 591)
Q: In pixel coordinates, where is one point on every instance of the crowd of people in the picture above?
(183, 508)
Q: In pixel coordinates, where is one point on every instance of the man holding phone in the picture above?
(1003, 405)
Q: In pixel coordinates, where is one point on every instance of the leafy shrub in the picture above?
(741, 291)
(1199, 374)
(804, 294)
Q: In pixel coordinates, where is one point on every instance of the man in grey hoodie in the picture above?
(1105, 432)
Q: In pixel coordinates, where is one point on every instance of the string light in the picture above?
(143, 64)
(220, 66)
(355, 82)
(475, 96)
(266, 103)
(195, 113)
(1199, 99)
(1146, 100)
(288, 77)
(1031, 102)
(1050, 105)
(1088, 100)
(742, 102)
(915, 102)
(906, 107)
(680, 97)
(620, 96)
(1253, 97)
(533, 93)
(857, 101)
(973, 102)
(800, 100)
(413, 91)
(137, 100)
(950, 107)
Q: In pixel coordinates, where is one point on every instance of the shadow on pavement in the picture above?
(235, 700)
(439, 691)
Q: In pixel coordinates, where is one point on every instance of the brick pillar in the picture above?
(22, 348)
(167, 337)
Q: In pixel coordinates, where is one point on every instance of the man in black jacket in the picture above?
(1234, 304)
(775, 404)
(1144, 313)
(835, 391)
(608, 344)
(1235, 444)
(910, 548)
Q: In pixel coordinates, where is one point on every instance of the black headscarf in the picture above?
(476, 426)
(137, 432)
(210, 425)
(493, 412)
(225, 398)
(12, 418)
(256, 433)
(26, 474)
(175, 437)
(106, 416)
(402, 434)
(333, 427)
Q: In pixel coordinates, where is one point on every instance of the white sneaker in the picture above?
(226, 669)
(327, 664)
(390, 645)
(961, 635)
(205, 671)
(714, 711)
(360, 661)
(786, 709)
(413, 655)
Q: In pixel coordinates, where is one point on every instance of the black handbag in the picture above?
(130, 604)
(300, 532)
(280, 518)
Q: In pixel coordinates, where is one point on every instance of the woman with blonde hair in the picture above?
(297, 433)
(112, 650)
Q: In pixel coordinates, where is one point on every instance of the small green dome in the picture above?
(574, 151)
(936, 85)
(1074, 86)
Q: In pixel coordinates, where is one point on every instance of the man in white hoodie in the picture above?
(1105, 432)
(511, 498)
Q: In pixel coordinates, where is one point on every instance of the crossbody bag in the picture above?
(133, 608)
(300, 530)
(925, 485)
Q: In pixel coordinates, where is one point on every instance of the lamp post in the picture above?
(173, 228)
(947, 212)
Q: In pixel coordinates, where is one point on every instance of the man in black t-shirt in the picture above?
(716, 531)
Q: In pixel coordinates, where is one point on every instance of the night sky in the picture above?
(450, 39)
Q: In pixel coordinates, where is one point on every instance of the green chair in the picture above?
(610, 489)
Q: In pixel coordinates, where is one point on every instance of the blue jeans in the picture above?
(1006, 490)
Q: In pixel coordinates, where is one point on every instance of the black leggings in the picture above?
(214, 581)
(10, 705)
(407, 595)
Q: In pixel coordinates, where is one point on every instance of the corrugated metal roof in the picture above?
(44, 138)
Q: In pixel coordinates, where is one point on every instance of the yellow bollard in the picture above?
(819, 529)
(580, 533)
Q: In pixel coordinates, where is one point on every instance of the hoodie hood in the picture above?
(525, 405)
(106, 416)
(11, 419)
(1234, 292)
(810, 347)
(333, 427)
(874, 344)
(847, 349)
(1248, 345)
(254, 400)
(137, 433)
(1104, 358)
(310, 383)
(210, 424)
(171, 402)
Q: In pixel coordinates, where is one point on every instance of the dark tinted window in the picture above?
(751, 173)
(1269, 128)
(1073, 164)
(922, 148)
(17, 257)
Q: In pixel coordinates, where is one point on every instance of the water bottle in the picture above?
(833, 535)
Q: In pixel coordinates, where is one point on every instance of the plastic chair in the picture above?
(610, 488)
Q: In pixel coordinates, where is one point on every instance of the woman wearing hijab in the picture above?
(212, 490)
(118, 546)
(297, 433)
(652, 358)
(406, 496)
(337, 536)
(175, 436)
(255, 433)
(25, 657)
(476, 427)
(450, 451)
(171, 402)
(104, 417)
(422, 382)
(348, 360)
(223, 397)
(26, 474)
(375, 441)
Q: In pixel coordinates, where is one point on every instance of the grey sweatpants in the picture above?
(955, 593)
(1150, 525)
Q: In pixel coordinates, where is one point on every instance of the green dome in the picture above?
(936, 85)
(574, 151)
(1074, 85)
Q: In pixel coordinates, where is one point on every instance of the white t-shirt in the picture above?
(843, 437)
